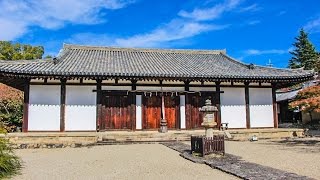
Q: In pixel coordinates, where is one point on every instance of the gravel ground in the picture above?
(139, 161)
(300, 156)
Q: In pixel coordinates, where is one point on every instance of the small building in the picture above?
(90, 88)
(286, 95)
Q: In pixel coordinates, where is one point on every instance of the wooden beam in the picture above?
(26, 105)
(246, 92)
(186, 85)
(99, 104)
(218, 104)
(274, 104)
(62, 104)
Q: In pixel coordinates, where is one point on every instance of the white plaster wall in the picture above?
(80, 108)
(138, 112)
(261, 109)
(233, 109)
(182, 111)
(44, 108)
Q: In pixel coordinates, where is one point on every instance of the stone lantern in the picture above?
(208, 117)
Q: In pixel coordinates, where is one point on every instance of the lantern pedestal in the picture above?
(208, 118)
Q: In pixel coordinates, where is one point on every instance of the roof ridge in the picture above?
(287, 69)
(191, 51)
(235, 60)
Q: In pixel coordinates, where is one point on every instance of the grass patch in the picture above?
(9, 163)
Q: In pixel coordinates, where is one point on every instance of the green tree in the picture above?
(10, 98)
(17, 51)
(304, 55)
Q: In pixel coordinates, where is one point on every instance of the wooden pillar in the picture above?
(26, 105)
(133, 105)
(246, 92)
(274, 104)
(218, 104)
(62, 105)
(99, 104)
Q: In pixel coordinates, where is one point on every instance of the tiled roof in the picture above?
(104, 62)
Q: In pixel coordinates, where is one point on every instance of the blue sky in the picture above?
(250, 31)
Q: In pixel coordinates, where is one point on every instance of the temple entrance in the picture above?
(194, 101)
(117, 111)
(151, 114)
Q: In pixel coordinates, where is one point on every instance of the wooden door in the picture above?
(171, 104)
(151, 112)
(194, 101)
(116, 112)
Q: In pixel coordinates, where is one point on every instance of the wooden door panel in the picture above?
(193, 103)
(171, 104)
(116, 112)
(151, 112)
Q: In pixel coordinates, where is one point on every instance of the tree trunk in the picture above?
(310, 114)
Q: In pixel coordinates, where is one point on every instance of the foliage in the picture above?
(304, 55)
(11, 99)
(16, 51)
(308, 100)
(9, 163)
(11, 107)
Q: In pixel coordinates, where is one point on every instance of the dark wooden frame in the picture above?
(26, 95)
(247, 102)
(62, 105)
(218, 104)
(274, 105)
(99, 106)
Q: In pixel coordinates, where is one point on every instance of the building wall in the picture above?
(44, 108)
(261, 108)
(81, 111)
(233, 109)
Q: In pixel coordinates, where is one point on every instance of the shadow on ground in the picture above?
(311, 145)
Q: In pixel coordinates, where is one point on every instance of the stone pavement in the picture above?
(234, 165)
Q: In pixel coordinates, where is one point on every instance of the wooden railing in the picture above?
(204, 146)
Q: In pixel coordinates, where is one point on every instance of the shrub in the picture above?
(11, 107)
(9, 162)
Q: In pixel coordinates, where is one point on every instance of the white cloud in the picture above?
(254, 22)
(91, 39)
(252, 8)
(262, 52)
(51, 14)
(313, 26)
(10, 30)
(210, 13)
(179, 29)
(281, 13)
(175, 30)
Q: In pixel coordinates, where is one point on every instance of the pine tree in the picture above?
(304, 55)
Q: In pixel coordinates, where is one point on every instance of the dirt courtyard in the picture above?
(300, 156)
(137, 161)
(155, 161)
